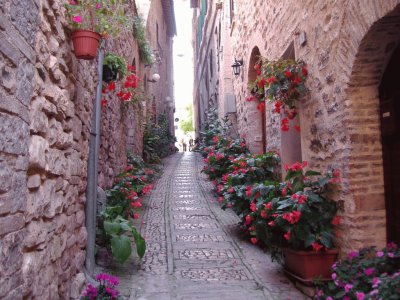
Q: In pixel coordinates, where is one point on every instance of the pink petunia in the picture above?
(77, 19)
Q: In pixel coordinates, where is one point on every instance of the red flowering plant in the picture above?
(124, 201)
(106, 17)
(297, 213)
(365, 274)
(130, 91)
(220, 156)
(212, 129)
(282, 82)
(241, 186)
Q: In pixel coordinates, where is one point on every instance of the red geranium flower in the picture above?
(316, 246)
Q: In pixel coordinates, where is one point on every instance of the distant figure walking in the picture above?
(191, 144)
(184, 145)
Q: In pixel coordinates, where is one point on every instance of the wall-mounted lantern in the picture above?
(154, 78)
(236, 66)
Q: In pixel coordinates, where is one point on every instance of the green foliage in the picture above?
(365, 274)
(158, 141)
(139, 33)
(115, 229)
(116, 63)
(186, 123)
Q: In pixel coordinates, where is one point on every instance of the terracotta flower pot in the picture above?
(307, 265)
(85, 43)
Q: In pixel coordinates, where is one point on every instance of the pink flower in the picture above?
(287, 235)
(375, 282)
(334, 276)
(72, 2)
(352, 254)
(254, 240)
(136, 216)
(253, 206)
(379, 254)
(77, 19)
(360, 295)
(98, 5)
(348, 287)
(369, 271)
(247, 220)
(272, 223)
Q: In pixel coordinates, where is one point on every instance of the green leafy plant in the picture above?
(116, 63)
(123, 202)
(106, 17)
(365, 274)
(118, 231)
(139, 33)
(158, 141)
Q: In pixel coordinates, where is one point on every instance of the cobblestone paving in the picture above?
(193, 249)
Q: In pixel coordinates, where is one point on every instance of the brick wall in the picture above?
(339, 119)
(46, 102)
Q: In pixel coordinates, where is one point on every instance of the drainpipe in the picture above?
(91, 189)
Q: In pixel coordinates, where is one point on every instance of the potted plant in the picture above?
(114, 67)
(299, 218)
(282, 82)
(92, 20)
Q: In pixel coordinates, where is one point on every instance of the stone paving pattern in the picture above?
(193, 249)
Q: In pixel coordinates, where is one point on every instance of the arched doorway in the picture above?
(373, 131)
(258, 118)
(389, 96)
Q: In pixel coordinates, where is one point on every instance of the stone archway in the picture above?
(366, 159)
(256, 119)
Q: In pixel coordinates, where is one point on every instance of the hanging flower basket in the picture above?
(109, 74)
(85, 43)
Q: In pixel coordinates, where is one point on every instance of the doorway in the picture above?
(389, 96)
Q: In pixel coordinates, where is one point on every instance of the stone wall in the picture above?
(337, 131)
(46, 101)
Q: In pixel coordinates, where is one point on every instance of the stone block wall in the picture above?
(46, 101)
(337, 131)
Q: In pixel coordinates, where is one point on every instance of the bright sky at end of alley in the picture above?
(183, 54)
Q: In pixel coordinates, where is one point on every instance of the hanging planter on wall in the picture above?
(109, 74)
(85, 43)
(114, 67)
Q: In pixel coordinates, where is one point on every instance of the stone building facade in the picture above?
(46, 104)
(348, 121)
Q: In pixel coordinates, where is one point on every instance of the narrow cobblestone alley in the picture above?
(193, 251)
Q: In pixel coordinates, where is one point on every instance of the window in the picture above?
(232, 10)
